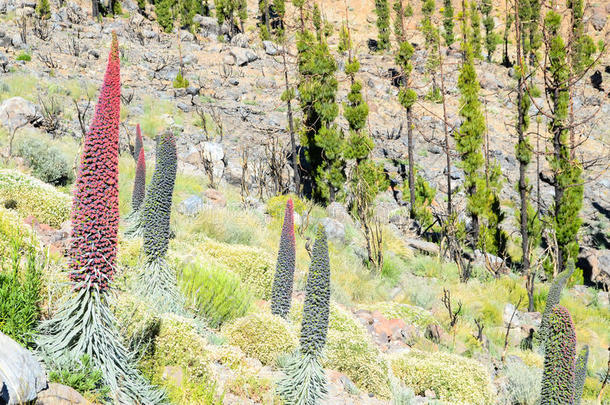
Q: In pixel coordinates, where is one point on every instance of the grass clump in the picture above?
(30, 196)
(453, 378)
(24, 56)
(408, 313)
(216, 292)
(261, 335)
(20, 290)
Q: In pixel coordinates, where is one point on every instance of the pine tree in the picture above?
(533, 30)
(281, 292)
(566, 169)
(84, 323)
(320, 136)
(582, 46)
(382, 9)
(475, 22)
(469, 140)
(366, 179)
(43, 9)
(431, 35)
(232, 11)
(448, 23)
(559, 360)
(508, 23)
(305, 382)
(491, 38)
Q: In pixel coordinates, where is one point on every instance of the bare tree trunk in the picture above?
(95, 9)
(411, 161)
(293, 145)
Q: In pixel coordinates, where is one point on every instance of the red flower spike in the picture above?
(95, 208)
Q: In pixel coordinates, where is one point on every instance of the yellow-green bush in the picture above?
(13, 229)
(253, 265)
(261, 335)
(175, 343)
(30, 196)
(350, 350)
(276, 205)
(453, 378)
(408, 313)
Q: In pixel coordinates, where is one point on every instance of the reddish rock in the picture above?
(215, 197)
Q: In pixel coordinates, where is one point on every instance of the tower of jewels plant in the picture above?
(157, 278)
(305, 382)
(139, 182)
(281, 292)
(84, 324)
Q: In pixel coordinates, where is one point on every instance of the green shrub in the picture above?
(216, 292)
(174, 343)
(13, 232)
(78, 373)
(43, 9)
(31, 196)
(180, 82)
(20, 292)
(275, 205)
(24, 56)
(226, 226)
(254, 266)
(453, 378)
(350, 350)
(523, 382)
(47, 162)
(261, 335)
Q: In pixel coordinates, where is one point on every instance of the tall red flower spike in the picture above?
(139, 183)
(95, 209)
(139, 142)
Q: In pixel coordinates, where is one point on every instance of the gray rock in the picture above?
(270, 48)
(233, 81)
(186, 36)
(240, 40)
(189, 59)
(191, 206)
(94, 53)
(150, 34)
(489, 81)
(243, 56)
(16, 112)
(337, 211)
(209, 26)
(16, 41)
(335, 230)
(192, 91)
(456, 174)
(58, 394)
(266, 83)
(3, 62)
(214, 152)
(598, 19)
(21, 375)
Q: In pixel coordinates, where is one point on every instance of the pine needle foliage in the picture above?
(382, 9)
(448, 23)
(559, 360)
(281, 291)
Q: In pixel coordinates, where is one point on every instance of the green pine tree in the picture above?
(475, 22)
(323, 141)
(469, 140)
(567, 170)
(43, 9)
(431, 35)
(448, 23)
(491, 38)
(232, 11)
(582, 46)
(382, 9)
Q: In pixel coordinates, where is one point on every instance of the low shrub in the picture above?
(30, 196)
(522, 382)
(275, 205)
(408, 313)
(261, 335)
(453, 378)
(14, 232)
(24, 56)
(253, 265)
(226, 226)
(47, 162)
(216, 292)
(175, 346)
(350, 350)
(78, 373)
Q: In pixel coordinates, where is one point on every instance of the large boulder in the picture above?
(16, 112)
(209, 26)
(598, 18)
(337, 211)
(334, 229)
(214, 152)
(243, 56)
(595, 263)
(21, 375)
(58, 394)
(240, 40)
